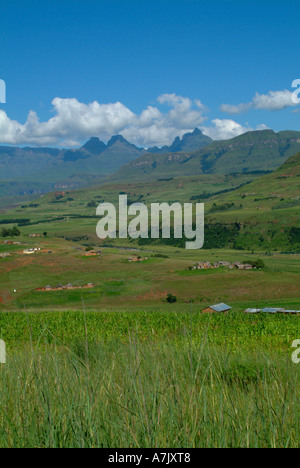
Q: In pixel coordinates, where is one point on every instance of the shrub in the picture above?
(171, 298)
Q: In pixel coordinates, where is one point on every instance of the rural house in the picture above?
(216, 308)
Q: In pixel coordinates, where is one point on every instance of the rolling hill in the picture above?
(251, 152)
(241, 212)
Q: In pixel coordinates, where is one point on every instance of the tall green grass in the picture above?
(136, 393)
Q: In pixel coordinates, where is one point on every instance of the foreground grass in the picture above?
(146, 395)
(155, 380)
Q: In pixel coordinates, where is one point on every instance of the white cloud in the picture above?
(226, 128)
(74, 121)
(273, 101)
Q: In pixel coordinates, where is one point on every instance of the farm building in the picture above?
(28, 251)
(224, 264)
(243, 266)
(272, 310)
(4, 254)
(216, 308)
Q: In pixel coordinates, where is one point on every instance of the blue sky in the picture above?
(170, 64)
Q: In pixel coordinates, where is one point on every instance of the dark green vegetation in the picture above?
(148, 379)
(13, 232)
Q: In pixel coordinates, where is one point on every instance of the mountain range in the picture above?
(26, 171)
(255, 151)
(29, 171)
(189, 142)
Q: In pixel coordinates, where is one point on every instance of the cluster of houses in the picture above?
(267, 310)
(60, 287)
(10, 242)
(231, 266)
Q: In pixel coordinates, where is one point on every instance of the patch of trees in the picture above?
(13, 232)
(32, 205)
(217, 236)
(205, 195)
(295, 235)
(28, 223)
(223, 207)
(259, 264)
(13, 221)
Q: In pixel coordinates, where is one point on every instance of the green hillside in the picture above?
(266, 211)
(276, 191)
(253, 151)
(242, 212)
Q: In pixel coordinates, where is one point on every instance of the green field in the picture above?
(149, 379)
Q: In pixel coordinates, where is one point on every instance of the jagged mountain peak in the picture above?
(94, 146)
(117, 138)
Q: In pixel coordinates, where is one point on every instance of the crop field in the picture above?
(118, 366)
(149, 379)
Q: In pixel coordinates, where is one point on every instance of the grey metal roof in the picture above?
(272, 310)
(220, 307)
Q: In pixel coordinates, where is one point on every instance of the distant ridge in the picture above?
(26, 171)
(189, 142)
(263, 150)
